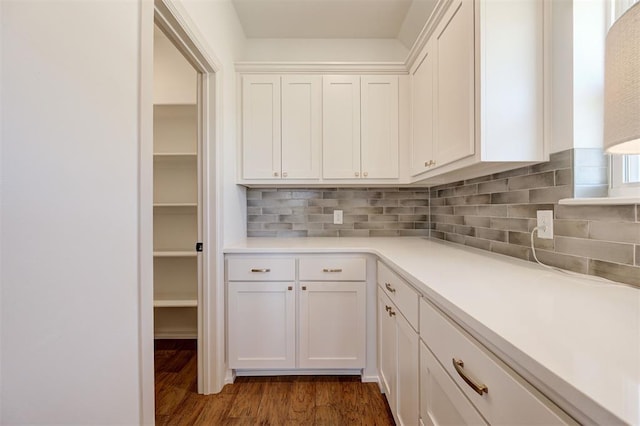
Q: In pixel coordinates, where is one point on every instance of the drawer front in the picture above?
(441, 401)
(401, 293)
(261, 269)
(326, 268)
(508, 398)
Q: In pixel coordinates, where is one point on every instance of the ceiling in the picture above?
(333, 19)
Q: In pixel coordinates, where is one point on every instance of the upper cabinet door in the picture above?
(261, 156)
(341, 127)
(379, 115)
(301, 126)
(456, 84)
(422, 112)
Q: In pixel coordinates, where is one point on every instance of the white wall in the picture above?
(414, 21)
(218, 24)
(174, 79)
(69, 174)
(589, 32)
(1, 203)
(331, 50)
(579, 29)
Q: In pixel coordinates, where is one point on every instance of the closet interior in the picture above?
(176, 193)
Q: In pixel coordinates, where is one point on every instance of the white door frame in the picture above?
(173, 20)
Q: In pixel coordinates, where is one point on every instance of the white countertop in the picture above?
(576, 339)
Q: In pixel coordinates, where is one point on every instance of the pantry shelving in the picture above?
(175, 218)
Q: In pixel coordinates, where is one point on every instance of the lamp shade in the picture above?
(622, 85)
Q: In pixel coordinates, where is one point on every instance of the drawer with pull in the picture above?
(401, 293)
(499, 393)
(329, 268)
(261, 269)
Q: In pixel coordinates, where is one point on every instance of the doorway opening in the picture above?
(179, 106)
(177, 205)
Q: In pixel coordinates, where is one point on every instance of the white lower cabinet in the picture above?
(441, 401)
(387, 348)
(407, 401)
(398, 360)
(499, 394)
(261, 325)
(288, 323)
(331, 325)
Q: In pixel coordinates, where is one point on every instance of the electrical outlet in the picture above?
(337, 217)
(545, 224)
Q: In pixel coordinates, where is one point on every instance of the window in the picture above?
(625, 176)
(624, 180)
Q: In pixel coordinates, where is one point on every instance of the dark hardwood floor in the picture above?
(280, 400)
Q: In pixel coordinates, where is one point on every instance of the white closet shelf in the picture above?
(175, 253)
(175, 154)
(175, 204)
(175, 301)
(167, 104)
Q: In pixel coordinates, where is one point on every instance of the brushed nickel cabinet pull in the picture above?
(332, 270)
(357, 174)
(365, 174)
(388, 286)
(478, 387)
(285, 174)
(260, 270)
(275, 174)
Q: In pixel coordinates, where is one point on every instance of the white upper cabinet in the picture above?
(317, 129)
(478, 88)
(422, 111)
(341, 127)
(281, 126)
(261, 127)
(360, 127)
(379, 126)
(455, 107)
(301, 126)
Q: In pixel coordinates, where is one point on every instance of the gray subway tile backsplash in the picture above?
(367, 212)
(494, 213)
(596, 240)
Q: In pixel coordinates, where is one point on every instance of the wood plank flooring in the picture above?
(279, 400)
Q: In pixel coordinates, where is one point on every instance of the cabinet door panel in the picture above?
(332, 325)
(441, 402)
(387, 348)
(261, 127)
(422, 112)
(455, 89)
(261, 325)
(379, 143)
(407, 399)
(301, 126)
(341, 127)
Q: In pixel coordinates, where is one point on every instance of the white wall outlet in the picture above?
(545, 224)
(337, 217)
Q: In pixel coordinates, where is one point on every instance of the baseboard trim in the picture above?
(301, 372)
